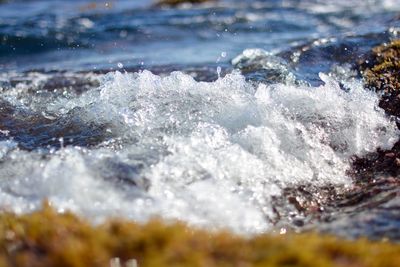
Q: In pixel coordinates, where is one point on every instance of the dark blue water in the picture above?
(143, 145)
(80, 35)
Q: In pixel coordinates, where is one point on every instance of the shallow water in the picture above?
(205, 114)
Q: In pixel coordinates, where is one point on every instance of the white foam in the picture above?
(212, 154)
(357, 7)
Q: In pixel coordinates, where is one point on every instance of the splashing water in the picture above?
(209, 153)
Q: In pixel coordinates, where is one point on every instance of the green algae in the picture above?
(382, 72)
(46, 238)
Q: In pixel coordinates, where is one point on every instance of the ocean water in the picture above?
(204, 114)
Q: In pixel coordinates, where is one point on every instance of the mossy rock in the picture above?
(382, 70)
(46, 238)
(173, 3)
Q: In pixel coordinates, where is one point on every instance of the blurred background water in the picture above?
(84, 35)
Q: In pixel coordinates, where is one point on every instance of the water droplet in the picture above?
(61, 140)
(219, 72)
(120, 65)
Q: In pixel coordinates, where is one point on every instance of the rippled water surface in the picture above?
(215, 114)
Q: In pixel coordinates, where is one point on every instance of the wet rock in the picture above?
(32, 130)
(382, 70)
(306, 203)
(379, 163)
(259, 65)
(375, 176)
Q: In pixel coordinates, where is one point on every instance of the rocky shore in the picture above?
(375, 176)
(46, 238)
(381, 71)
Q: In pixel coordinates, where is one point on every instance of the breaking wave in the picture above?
(209, 153)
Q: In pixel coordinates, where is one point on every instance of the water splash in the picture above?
(210, 153)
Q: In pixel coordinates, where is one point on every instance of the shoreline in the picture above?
(47, 238)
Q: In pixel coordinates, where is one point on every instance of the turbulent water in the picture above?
(205, 114)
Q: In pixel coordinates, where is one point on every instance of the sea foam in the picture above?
(209, 153)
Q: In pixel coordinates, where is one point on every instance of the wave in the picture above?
(210, 153)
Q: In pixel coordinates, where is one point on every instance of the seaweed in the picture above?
(47, 238)
(376, 174)
(382, 70)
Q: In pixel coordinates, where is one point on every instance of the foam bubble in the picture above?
(212, 154)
